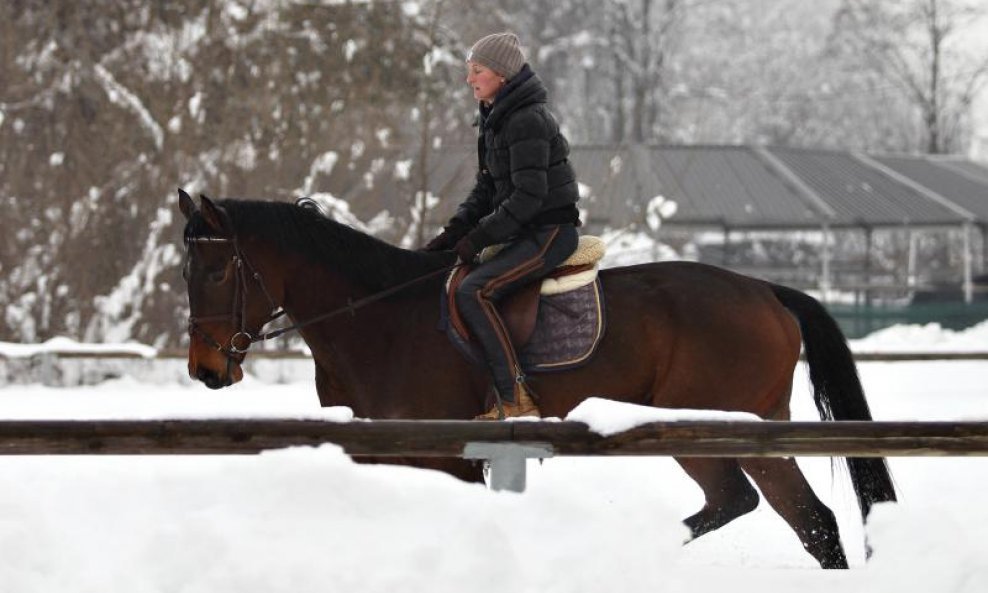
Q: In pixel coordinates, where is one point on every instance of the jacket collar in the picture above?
(524, 89)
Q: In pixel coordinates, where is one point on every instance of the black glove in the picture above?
(447, 239)
(469, 246)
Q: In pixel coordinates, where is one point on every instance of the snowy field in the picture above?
(305, 520)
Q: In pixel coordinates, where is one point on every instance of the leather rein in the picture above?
(241, 341)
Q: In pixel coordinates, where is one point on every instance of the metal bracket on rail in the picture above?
(507, 461)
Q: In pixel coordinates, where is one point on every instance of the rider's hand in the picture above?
(466, 250)
(447, 239)
(469, 246)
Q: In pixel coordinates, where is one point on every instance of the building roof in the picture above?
(862, 194)
(748, 187)
(961, 185)
(726, 186)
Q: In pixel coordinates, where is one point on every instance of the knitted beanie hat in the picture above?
(500, 52)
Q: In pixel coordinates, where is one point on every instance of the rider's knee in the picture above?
(468, 295)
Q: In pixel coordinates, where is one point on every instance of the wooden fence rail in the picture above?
(451, 438)
(181, 354)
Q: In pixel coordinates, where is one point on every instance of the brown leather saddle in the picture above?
(519, 310)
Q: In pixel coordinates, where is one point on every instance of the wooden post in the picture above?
(983, 264)
(867, 267)
(826, 280)
(911, 262)
(726, 254)
(968, 264)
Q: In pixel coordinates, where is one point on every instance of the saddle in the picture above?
(520, 309)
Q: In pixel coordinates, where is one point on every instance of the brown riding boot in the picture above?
(524, 406)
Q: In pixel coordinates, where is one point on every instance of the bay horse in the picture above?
(679, 335)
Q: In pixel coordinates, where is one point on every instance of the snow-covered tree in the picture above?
(108, 107)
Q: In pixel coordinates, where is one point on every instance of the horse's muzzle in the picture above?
(215, 371)
(212, 379)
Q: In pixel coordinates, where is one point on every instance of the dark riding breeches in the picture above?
(526, 259)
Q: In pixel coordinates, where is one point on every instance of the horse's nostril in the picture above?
(209, 378)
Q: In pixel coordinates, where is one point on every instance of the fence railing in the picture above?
(447, 438)
(181, 354)
(504, 444)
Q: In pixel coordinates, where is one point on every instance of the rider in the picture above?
(525, 197)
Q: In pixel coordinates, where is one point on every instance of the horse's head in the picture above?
(228, 301)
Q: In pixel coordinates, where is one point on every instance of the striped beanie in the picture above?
(500, 52)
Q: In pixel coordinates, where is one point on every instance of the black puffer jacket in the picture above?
(525, 178)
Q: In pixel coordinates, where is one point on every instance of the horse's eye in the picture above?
(217, 276)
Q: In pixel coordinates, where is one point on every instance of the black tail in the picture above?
(837, 389)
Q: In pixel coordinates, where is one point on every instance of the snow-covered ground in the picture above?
(311, 520)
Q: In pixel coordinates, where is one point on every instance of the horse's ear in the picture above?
(216, 217)
(186, 205)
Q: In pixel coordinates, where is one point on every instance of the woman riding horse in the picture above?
(680, 335)
(525, 196)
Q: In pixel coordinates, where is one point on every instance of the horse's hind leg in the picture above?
(726, 489)
(785, 488)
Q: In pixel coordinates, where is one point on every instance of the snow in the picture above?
(658, 209)
(403, 169)
(127, 398)
(337, 209)
(321, 165)
(350, 47)
(164, 50)
(195, 107)
(607, 417)
(236, 11)
(383, 136)
(381, 222)
(627, 246)
(244, 154)
(931, 337)
(305, 521)
(124, 97)
(66, 345)
(121, 309)
(309, 519)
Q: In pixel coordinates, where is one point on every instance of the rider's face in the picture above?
(484, 82)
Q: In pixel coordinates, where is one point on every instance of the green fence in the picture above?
(860, 320)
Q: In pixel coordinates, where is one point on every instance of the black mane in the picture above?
(362, 258)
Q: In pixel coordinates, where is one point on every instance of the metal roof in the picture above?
(970, 169)
(730, 186)
(860, 194)
(711, 186)
(960, 186)
(749, 187)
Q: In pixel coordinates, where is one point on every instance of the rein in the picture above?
(235, 352)
(352, 306)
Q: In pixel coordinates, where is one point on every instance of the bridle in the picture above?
(241, 341)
